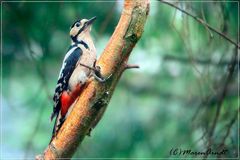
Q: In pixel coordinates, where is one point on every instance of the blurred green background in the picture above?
(170, 102)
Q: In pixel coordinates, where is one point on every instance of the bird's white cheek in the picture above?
(73, 31)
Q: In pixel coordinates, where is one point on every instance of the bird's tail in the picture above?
(57, 125)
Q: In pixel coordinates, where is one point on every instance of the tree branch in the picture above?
(131, 66)
(96, 96)
(222, 96)
(199, 20)
(229, 127)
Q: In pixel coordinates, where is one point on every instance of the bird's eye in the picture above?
(77, 24)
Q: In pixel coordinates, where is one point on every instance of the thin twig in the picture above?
(202, 22)
(202, 79)
(221, 98)
(229, 126)
(131, 66)
(204, 18)
(224, 91)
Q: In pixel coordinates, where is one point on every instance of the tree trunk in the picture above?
(95, 97)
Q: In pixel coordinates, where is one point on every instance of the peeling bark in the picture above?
(94, 99)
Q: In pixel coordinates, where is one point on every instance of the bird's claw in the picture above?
(98, 76)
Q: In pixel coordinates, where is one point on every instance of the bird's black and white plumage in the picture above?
(72, 74)
(69, 63)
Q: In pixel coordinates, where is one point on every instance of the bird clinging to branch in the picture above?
(78, 66)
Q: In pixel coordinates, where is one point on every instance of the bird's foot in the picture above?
(97, 73)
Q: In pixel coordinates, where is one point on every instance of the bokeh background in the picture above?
(172, 101)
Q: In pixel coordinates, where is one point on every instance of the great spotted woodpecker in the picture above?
(78, 65)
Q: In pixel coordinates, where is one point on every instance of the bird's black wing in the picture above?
(70, 60)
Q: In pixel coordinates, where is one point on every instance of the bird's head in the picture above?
(80, 28)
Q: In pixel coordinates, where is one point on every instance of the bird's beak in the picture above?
(90, 21)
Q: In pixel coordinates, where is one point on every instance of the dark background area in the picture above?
(172, 101)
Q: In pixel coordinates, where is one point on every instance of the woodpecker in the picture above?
(78, 65)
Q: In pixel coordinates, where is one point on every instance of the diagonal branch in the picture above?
(94, 99)
(224, 91)
(199, 20)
